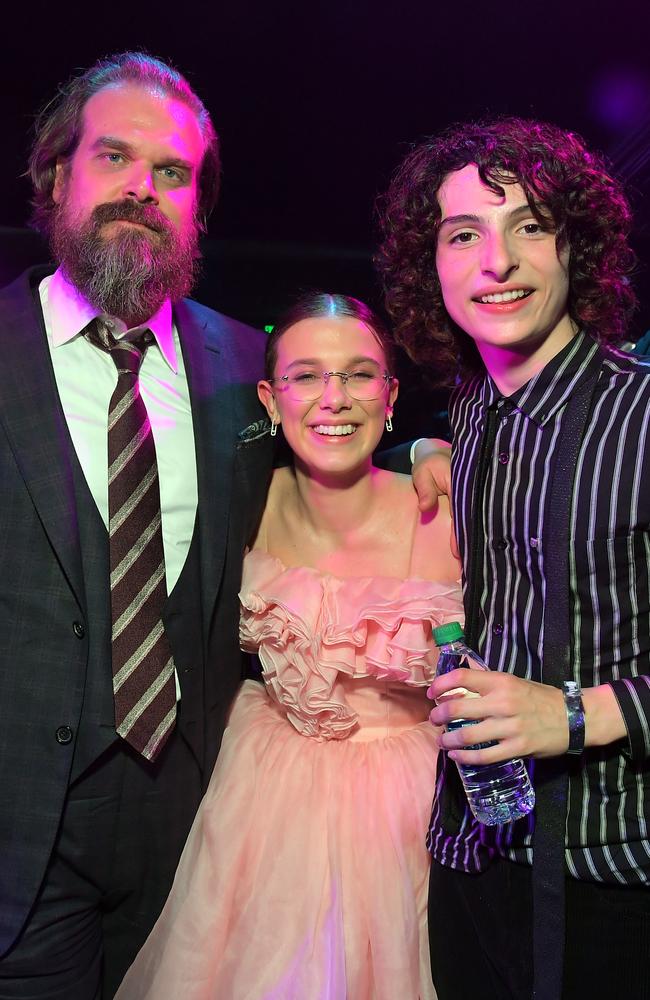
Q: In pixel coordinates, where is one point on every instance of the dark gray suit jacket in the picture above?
(55, 674)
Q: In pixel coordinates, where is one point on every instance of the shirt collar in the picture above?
(543, 395)
(70, 313)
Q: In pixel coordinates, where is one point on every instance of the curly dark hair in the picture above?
(559, 176)
(58, 127)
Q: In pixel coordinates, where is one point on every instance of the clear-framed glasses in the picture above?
(305, 387)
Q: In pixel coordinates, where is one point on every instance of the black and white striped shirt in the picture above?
(609, 788)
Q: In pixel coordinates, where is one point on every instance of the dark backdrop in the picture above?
(316, 103)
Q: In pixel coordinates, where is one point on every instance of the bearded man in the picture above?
(129, 491)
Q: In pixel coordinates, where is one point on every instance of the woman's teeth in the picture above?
(518, 293)
(337, 430)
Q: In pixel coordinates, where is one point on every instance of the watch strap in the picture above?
(575, 715)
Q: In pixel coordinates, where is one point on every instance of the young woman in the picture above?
(305, 874)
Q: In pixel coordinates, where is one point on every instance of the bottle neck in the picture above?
(457, 646)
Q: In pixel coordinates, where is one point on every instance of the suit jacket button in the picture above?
(63, 735)
(78, 629)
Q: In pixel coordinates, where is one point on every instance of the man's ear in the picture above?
(267, 399)
(60, 175)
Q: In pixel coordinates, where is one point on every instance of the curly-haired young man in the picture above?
(505, 260)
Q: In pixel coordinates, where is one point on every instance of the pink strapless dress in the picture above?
(305, 874)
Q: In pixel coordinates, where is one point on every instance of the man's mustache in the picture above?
(130, 211)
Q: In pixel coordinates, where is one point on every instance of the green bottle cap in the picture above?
(447, 633)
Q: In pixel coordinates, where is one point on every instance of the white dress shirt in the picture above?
(86, 378)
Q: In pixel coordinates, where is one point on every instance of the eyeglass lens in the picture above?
(358, 385)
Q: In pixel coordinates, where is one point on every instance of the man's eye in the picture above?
(305, 378)
(114, 157)
(171, 174)
(533, 228)
(464, 237)
(361, 376)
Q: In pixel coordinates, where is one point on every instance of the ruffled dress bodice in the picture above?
(331, 648)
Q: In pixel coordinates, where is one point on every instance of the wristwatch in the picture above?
(575, 715)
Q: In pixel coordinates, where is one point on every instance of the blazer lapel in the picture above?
(208, 367)
(33, 418)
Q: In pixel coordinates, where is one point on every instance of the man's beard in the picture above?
(131, 272)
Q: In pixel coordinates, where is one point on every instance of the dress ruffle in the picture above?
(308, 628)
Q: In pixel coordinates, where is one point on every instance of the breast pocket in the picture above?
(612, 598)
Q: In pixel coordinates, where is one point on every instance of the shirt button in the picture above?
(504, 457)
(63, 735)
(534, 543)
(502, 544)
(497, 629)
(78, 629)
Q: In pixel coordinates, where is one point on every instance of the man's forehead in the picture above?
(141, 111)
(465, 187)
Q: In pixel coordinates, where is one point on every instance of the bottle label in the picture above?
(460, 723)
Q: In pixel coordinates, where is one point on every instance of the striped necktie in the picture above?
(143, 667)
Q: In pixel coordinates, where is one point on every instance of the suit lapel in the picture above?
(33, 418)
(208, 366)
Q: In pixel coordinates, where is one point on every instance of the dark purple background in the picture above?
(316, 102)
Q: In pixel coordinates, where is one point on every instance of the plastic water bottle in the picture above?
(497, 793)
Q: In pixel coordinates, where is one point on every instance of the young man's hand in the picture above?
(431, 471)
(431, 474)
(528, 719)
